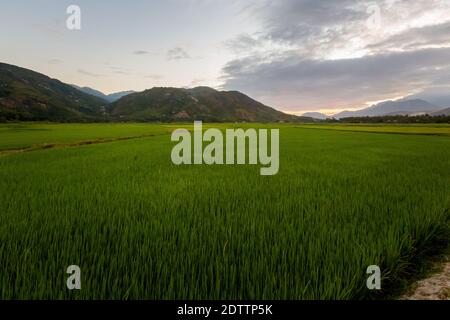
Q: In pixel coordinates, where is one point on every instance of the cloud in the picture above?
(87, 73)
(177, 54)
(317, 54)
(243, 43)
(321, 28)
(55, 61)
(416, 38)
(140, 52)
(153, 76)
(306, 84)
(119, 70)
(197, 82)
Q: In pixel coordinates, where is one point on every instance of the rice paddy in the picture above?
(140, 227)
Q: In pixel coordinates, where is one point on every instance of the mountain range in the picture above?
(316, 115)
(444, 112)
(436, 96)
(107, 97)
(28, 95)
(31, 96)
(407, 106)
(201, 103)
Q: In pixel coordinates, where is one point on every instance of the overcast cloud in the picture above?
(325, 55)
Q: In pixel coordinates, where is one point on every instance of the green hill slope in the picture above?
(28, 95)
(201, 103)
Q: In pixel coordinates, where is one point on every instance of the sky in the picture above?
(293, 55)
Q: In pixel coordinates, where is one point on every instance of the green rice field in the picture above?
(106, 197)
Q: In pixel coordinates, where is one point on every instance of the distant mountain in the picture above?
(113, 97)
(445, 112)
(398, 107)
(437, 96)
(201, 103)
(28, 95)
(90, 91)
(315, 115)
(108, 97)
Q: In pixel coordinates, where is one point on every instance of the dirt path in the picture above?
(436, 287)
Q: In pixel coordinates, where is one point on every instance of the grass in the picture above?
(142, 228)
(424, 129)
(27, 135)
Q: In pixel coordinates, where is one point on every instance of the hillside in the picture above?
(31, 96)
(201, 103)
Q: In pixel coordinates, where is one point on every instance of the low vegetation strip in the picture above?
(73, 144)
(26, 135)
(439, 130)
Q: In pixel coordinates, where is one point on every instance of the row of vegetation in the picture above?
(6, 118)
(393, 119)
